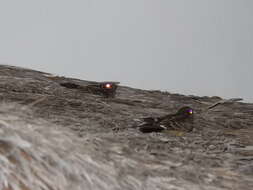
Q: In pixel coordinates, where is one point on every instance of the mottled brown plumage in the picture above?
(181, 121)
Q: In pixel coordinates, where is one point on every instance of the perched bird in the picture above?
(180, 121)
(106, 89)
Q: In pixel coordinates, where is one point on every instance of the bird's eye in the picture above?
(190, 111)
(108, 86)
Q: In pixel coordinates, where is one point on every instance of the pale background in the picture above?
(201, 47)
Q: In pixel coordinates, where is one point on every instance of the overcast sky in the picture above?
(201, 47)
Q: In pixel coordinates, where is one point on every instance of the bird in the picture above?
(182, 120)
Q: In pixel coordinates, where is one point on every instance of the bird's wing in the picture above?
(156, 119)
(168, 118)
(177, 123)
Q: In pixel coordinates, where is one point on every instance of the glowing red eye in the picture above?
(108, 86)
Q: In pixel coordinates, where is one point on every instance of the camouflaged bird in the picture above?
(180, 121)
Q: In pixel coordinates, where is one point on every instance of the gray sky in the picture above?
(201, 47)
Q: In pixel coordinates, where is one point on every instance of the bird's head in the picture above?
(186, 111)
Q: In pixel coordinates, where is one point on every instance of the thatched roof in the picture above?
(52, 137)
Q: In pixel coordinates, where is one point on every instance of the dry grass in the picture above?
(53, 138)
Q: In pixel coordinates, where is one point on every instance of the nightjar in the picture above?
(180, 121)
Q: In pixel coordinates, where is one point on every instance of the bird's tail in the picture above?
(150, 128)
